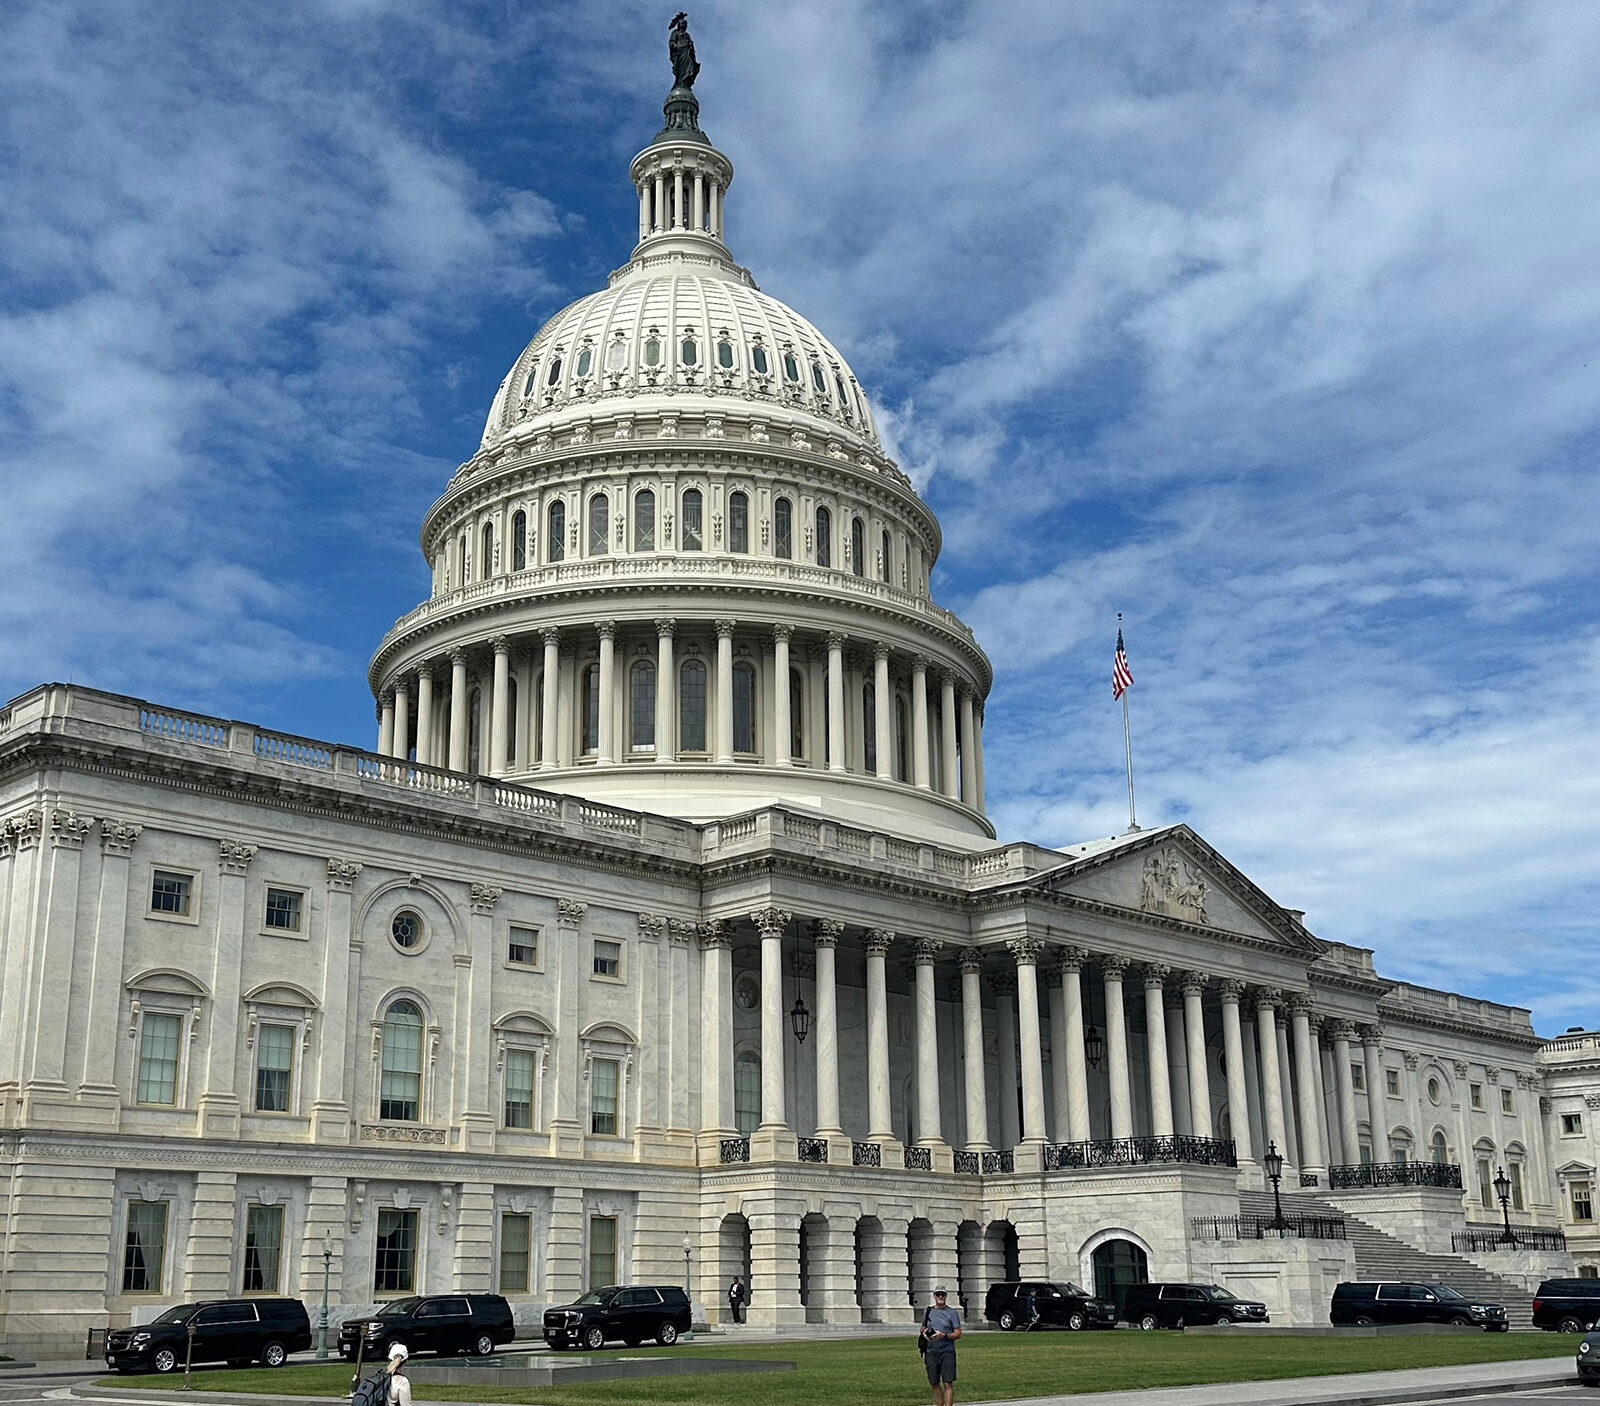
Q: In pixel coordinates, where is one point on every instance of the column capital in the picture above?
(117, 836)
(386, 697)
(68, 829)
(666, 627)
(1155, 976)
(1002, 982)
(919, 663)
(1230, 990)
(681, 932)
(1026, 950)
(1371, 1034)
(425, 671)
(926, 950)
(1194, 982)
(652, 926)
(972, 959)
(1113, 968)
(569, 912)
(880, 650)
(783, 632)
(235, 856)
(878, 941)
(1342, 1030)
(550, 635)
(826, 932)
(606, 629)
(770, 922)
(484, 897)
(458, 658)
(342, 874)
(714, 934)
(1412, 1059)
(1268, 996)
(501, 644)
(1300, 1003)
(725, 629)
(836, 640)
(1069, 959)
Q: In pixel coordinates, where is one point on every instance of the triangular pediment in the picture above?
(1171, 874)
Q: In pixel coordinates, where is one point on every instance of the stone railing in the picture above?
(1138, 1151)
(1258, 1227)
(1380, 1174)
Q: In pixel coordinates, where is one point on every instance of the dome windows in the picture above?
(818, 381)
(617, 356)
(584, 363)
(791, 367)
(738, 522)
(556, 538)
(759, 362)
(644, 521)
(724, 353)
(691, 530)
(652, 351)
(692, 706)
(554, 373)
(858, 547)
(783, 529)
(530, 381)
(598, 528)
(519, 541)
(689, 350)
(824, 537)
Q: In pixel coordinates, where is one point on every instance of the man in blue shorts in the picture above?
(941, 1328)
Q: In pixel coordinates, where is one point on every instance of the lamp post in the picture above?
(688, 1248)
(1502, 1189)
(322, 1317)
(1273, 1162)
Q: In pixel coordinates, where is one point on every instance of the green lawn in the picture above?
(992, 1365)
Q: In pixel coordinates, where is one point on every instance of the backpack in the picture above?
(922, 1333)
(371, 1391)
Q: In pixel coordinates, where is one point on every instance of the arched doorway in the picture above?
(869, 1269)
(1117, 1264)
(733, 1244)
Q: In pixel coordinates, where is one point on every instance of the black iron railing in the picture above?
(813, 1149)
(1445, 1174)
(919, 1159)
(1523, 1237)
(968, 1164)
(1000, 1161)
(1261, 1228)
(1310, 1179)
(1133, 1151)
(735, 1149)
(866, 1154)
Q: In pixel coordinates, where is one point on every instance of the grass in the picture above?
(888, 1370)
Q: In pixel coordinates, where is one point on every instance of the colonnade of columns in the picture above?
(679, 195)
(851, 706)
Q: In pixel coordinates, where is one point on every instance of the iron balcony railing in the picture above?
(968, 1164)
(1258, 1227)
(813, 1149)
(866, 1154)
(1359, 1174)
(735, 1149)
(1135, 1151)
(1523, 1237)
(919, 1159)
(1000, 1161)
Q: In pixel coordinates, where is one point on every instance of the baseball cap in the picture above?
(398, 1352)
(940, 1289)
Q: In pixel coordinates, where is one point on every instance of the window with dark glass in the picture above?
(591, 710)
(607, 958)
(783, 528)
(519, 1089)
(692, 706)
(797, 722)
(554, 374)
(642, 707)
(791, 367)
(556, 538)
(585, 361)
(690, 530)
(900, 770)
(475, 731)
(758, 360)
(283, 909)
(858, 547)
(516, 1252)
(744, 708)
(529, 381)
(170, 892)
(725, 354)
(486, 556)
(144, 1248)
(400, 1078)
(511, 721)
(263, 1249)
(599, 528)
(888, 558)
(274, 1067)
(818, 381)
(519, 541)
(605, 1077)
(824, 537)
(746, 1092)
(644, 521)
(869, 727)
(395, 1263)
(738, 523)
(160, 1038)
(652, 351)
(602, 1251)
(461, 559)
(689, 351)
(522, 947)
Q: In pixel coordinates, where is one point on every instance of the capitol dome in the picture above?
(680, 574)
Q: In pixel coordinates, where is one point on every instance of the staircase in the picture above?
(1381, 1256)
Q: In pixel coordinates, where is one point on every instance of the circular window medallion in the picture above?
(406, 930)
(747, 991)
(1433, 1090)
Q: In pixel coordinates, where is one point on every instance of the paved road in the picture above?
(1546, 1396)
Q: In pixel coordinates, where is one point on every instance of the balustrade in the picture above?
(1134, 1151)
(734, 1149)
(866, 1154)
(813, 1149)
(1360, 1174)
(1259, 1227)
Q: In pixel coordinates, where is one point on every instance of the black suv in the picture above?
(236, 1331)
(1567, 1305)
(1390, 1301)
(443, 1323)
(632, 1312)
(1023, 1303)
(1188, 1306)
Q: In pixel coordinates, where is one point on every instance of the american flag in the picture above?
(1121, 675)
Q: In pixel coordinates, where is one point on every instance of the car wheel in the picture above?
(483, 1346)
(595, 1338)
(667, 1333)
(164, 1359)
(1361, 1320)
(1149, 1323)
(1008, 1321)
(273, 1354)
(1459, 1320)
(1222, 1320)
(1570, 1325)
(1076, 1322)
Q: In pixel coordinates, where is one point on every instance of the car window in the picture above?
(629, 1298)
(1220, 1294)
(1393, 1291)
(178, 1313)
(1193, 1293)
(1444, 1291)
(594, 1296)
(430, 1310)
(453, 1308)
(1070, 1288)
(400, 1308)
(217, 1313)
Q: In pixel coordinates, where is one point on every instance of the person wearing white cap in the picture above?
(941, 1326)
(399, 1393)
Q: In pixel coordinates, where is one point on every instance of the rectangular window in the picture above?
(1514, 1171)
(1582, 1206)
(692, 707)
(516, 1240)
(395, 1266)
(1365, 1157)
(744, 709)
(159, 1040)
(1485, 1184)
(1391, 1080)
(691, 531)
(607, 958)
(523, 946)
(1571, 1124)
(171, 892)
(283, 910)
(1588, 1271)
(1358, 1077)
(274, 1068)
(1507, 1101)
(604, 1079)
(1475, 1095)
(145, 1249)
(602, 1251)
(519, 1088)
(263, 1248)
(642, 708)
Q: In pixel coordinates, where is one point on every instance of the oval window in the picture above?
(1433, 1090)
(617, 356)
(689, 352)
(527, 385)
(585, 361)
(817, 379)
(758, 359)
(725, 355)
(652, 352)
(406, 929)
(555, 372)
(791, 367)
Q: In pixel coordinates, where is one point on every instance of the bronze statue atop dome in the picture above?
(680, 49)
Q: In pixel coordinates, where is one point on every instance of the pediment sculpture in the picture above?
(1174, 887)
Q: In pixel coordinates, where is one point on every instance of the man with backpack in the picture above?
(390, 1387)
(941, 1326)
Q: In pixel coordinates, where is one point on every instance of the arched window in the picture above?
(738, 522)
(797, 719)
(554, 373)
(869, 727)
(644, 521)
(858, 546)
(529, 381)
(791, 367)
(888, 558)
(486, 552)
(642, 707)
(536, 736)
(1438, 1149)
(463, 562)
(692, 706)
(475, 732)
(555, 539)
(746, 1092)
(519, 541)
(783, 529)
(511, 721)
(900, 731)
(599, 538)
(758, 360)
(590, 740)
(744, 708)
(400, 1086)
(844, 400)
(824, 537)
(691, 533)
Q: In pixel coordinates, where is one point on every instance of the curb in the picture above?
(1391, 1398)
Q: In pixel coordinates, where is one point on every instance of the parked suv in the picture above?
(1386, 1301)
(443, 1323)
(1567, 1305)
(1056, 1305)
(632, 1312)
(236, 1331)
(1188, 1306)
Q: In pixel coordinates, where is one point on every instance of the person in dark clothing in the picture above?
(738, 1295)
(941, 1326)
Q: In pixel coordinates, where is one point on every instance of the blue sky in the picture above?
(1276, 328)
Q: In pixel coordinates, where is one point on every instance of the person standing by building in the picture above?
(941, 1326)
(737, 1294)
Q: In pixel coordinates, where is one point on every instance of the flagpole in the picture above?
(1127, 744)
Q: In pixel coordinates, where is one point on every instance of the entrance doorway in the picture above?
(1117, 1264)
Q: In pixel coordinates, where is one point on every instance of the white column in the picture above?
(1155, 1044)
(500, 739)
(699, 205)
(386, 723)
(402, 720)
(1229, 993)
(666, 693)
(825, 934)
(771, 923)
(969, 751)
(836, 738)
(607, 736)
(1306, 1088)
(1328, 1089)
(661, 200)
(1072, 960)
(782, 721)
(552, 700)
(880, 1124)
(1056, 1005)
(1111, 971)
(425, 715)
(716, 1029)
(1287, 1084)
(1027, 950)
(644, 209)
(724, 751)
(1004, 985)
(929, 1129)
(977, 759)
(1178, 1063)
(1349, 1133)
(919, 723)
(678, 212)
(460, 735)
(883, 712)
(716, 210)
(977, 1095)
(1271, 1082)
(947, 730)
(1372, 1050)
(1194, 1032)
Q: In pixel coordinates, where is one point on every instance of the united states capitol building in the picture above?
(662, 935)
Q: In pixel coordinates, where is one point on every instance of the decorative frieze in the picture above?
(1173, 887)
(401, 1132)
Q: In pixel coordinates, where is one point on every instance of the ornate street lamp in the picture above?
(1093, 1046)
(800, 1019)
(322, 1317)
(1502, 1189)
(1273, 1162)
